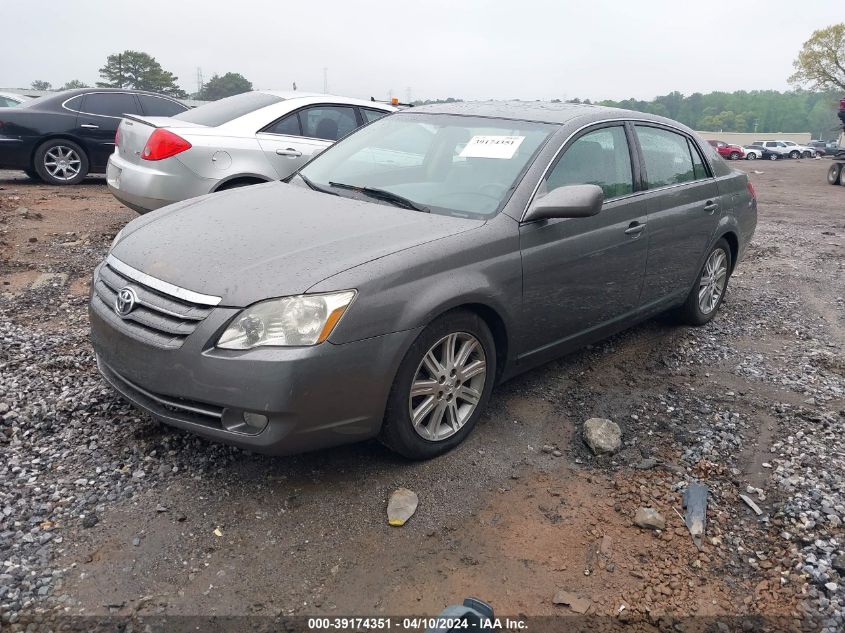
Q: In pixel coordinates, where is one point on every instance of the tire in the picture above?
(61, 162)
(751, 156)
(834, 174)
(807, 154)
(446, 419)
(734, 156)
(32, 174)
(795, 154)
(773, 156)
(719, 262)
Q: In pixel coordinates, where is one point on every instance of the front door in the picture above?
(683, 211)
(582, 273)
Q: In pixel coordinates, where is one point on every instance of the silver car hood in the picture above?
(271, 240)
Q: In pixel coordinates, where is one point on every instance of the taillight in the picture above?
(164, 144)
(117, 137)
(751, 190)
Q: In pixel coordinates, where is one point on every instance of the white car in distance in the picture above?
(242, 140)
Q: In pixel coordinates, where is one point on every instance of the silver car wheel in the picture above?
(712, 282)
(62, 162)
(447, 386)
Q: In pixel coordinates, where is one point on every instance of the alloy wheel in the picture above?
(62, 162)
(447, 386)
(712, 282)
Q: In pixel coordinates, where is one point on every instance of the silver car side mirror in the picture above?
(572, 201)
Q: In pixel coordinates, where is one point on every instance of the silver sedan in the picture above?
(243, 140)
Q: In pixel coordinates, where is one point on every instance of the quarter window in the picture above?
(156, 106)
(600, 157)
(289, 126)
(698, 169)
(666, 155)
(372, 115)
(328, 122)
(113, 104)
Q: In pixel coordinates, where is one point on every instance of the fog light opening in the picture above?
(244, 421)
(255, 421)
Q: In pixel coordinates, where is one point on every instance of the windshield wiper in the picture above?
(384, 194)
(315, 187)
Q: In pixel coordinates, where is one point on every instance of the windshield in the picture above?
(219, 112)
(447, 164)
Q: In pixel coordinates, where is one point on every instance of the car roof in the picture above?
(296, 94)
(539, 111)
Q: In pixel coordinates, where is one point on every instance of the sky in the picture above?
(426, 49)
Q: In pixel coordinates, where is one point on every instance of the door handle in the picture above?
(635, 228)
(710, 207)
(291, 152)
(90, 126)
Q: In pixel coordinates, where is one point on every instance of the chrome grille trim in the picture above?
(162, 286)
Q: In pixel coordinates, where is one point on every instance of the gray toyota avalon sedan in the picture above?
(396, 278)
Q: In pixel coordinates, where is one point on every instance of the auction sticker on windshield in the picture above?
(492, 146)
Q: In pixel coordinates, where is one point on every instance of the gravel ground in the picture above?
(104, 512)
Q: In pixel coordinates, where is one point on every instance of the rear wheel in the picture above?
(807, 154)
(773, 156)
(734, 156)
(751, 156)
(61, 162)
(834, 174)
(32, 174)
(794, 154)
(707, 293)
(441, 388)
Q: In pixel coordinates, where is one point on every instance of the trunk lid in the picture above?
(135, 130)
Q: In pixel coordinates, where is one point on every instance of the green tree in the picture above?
(136, 69)
(38, 84)
(822, 118)
(821, 62)
(219, 87)
(73, 83)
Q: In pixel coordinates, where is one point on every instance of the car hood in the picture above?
(271, 240)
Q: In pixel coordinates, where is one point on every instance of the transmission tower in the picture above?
(200, 82)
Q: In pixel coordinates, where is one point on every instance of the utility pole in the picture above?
(200, 82)
(325, 80)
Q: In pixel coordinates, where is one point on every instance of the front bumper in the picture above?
(314, 397)
(147, 188)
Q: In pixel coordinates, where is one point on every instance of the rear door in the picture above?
(684, 206)
(582, 273)
(292, 140)
(98, 119)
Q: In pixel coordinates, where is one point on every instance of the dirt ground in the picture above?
(519, 512)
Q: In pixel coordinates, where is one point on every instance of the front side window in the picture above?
(113, 104)
(328, 122)
(288, 126)
(600, 157)
(453, 165)
(666, 155)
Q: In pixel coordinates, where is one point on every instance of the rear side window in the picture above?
(158, 106)
(328, 122)
(228, 109)
(600, 157)
(371, 115)
(666, 155)
(113, 104)
(289, 126)
(698, 169)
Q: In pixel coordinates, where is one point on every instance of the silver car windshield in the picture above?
(447, 164)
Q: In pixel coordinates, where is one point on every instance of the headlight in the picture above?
(116, 240)
(301, 320)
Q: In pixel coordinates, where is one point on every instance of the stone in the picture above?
(649, 519)
(602, 435)
(90, 521)
(401, 506)
(573, 601)
(49, 279)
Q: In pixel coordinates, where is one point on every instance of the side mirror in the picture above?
(572, 201)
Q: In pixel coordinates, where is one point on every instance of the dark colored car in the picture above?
(63, 137)
(767, 154)
(727, 150)
(399, 275)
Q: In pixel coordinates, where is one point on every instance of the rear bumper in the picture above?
(314, 397)
(147, 188)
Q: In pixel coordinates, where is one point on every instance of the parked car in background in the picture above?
(63, 137)
(799, 151)
(727, 150)
(400, 274)
(11, 99)
(827, 148)
(774, 149)
(242, 140)
(765, 153)
(753, 152)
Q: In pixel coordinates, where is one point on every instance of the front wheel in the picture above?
(773, 156)
(61, 162)
(707, 293)
(833, 174)
(794, 154)
(734, 156)
(441, 388)
(751, 156)
(807, 154)
(32, 174)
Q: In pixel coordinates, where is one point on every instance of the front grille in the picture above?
(159, 318)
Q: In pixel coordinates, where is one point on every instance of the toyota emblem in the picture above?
(125, 301)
